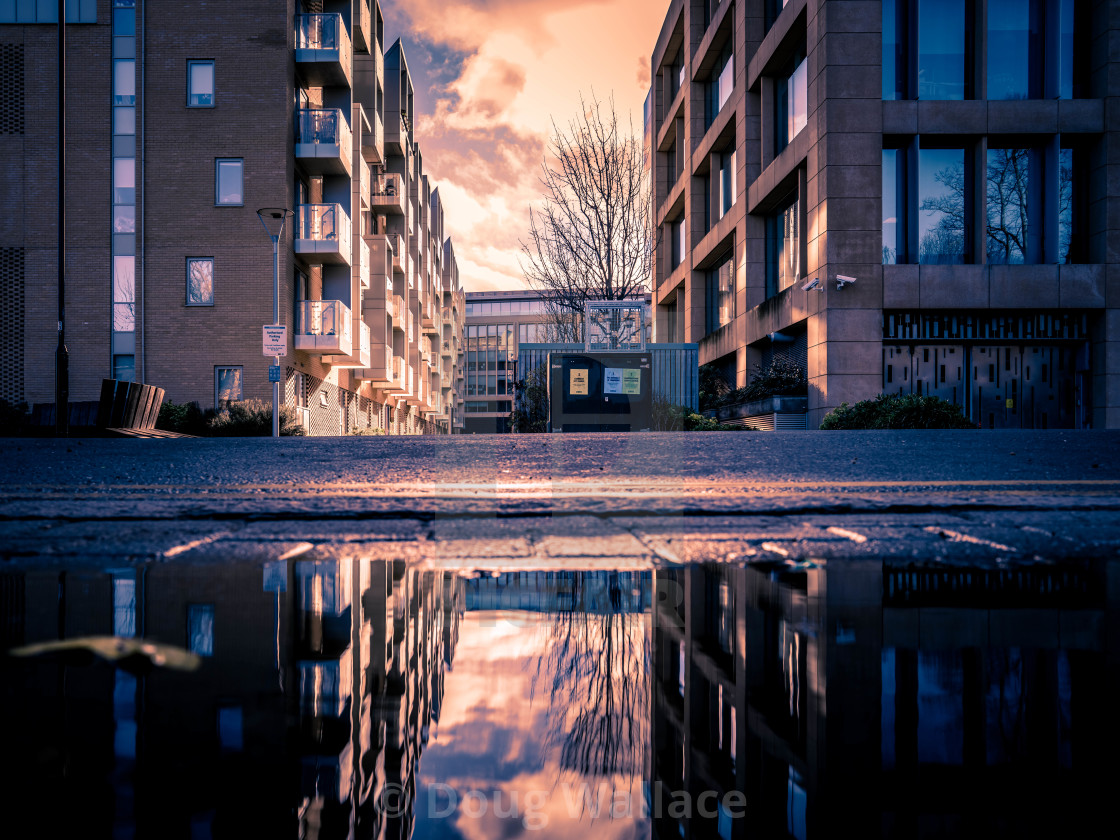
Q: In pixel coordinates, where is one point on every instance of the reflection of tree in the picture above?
(598, 664)
(944, 242)
(1008, 180)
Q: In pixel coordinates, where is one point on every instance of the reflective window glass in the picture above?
(200, 282)
(941, 206)
(200, 84)
(941, 54)
(1014, 68)
(124, 181)
(1007, 205)
(228, 182)
(124, 82)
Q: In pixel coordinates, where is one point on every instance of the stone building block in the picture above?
(1080, 116)
(845, 214)
(854, 247)
(900, 117)
(1082, 286)
(845, 181)
(851, 115)
(1010, 117)
(854, 357)
(953, 286)
(900, 287)
(853, 16)
(1023, 286)
(856, 49)
(836, 388)
(850, 325)
(850, 149)
(951, 117)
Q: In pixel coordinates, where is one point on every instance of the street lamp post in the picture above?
(273, 218)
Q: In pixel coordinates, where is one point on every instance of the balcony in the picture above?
(445, 349)
(363, 183)
(359, 358)
(373, 136)
(399, 313)
(365, 39)
(363, 263)
(323, 234)
(324, 56)
(396, 133)
(388, 194)
(445, 380)
(323, 327)
(380, 268)
(400, 254)
(324, 142)
(380, 368)
(411, 326)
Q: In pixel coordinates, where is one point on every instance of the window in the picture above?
(676, 242)
(124, 367)
(1015, 36)
(44, 11)
(124, 82)
(124, 293)
(941, 50)
(228, 185)
(200, 84)
(726, 183)
(894, 181)
(1009, 206)
(227, 384)
(719, 85)
(783, 247)
(773, 9)
(124, 180)
(200, 629)
(942, 223)
(719, 294)
(200, 282)
(791, 102)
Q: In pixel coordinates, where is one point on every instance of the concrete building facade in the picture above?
(179, 127)
(953, 158)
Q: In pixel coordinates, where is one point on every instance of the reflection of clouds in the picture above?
(490, 740)
(490, 76)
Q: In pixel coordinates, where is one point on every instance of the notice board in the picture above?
(600, 392)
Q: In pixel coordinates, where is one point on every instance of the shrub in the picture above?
(895, 411)
(366, 430)
(183, 418)
(666, 416)
(700, 423)
(13, 418)
(252, 418)
(781, 377)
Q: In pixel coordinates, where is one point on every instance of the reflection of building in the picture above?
(903, 701)
(950, 155)
(560, 591)
(188, 132)
(317, 689)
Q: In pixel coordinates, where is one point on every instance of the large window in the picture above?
(1033, 204)
(200, 282)
(719, 294)
(719, 86)
(725, 196)
(677, 247)
(790, 102)
(783, 247)
(200, 84)
(228, 183)
(227, 384)
(200, 629)
(1035, 49)
(124, 293)
(943, 211)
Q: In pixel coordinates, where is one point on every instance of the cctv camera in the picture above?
(813, 285)
(843, 280)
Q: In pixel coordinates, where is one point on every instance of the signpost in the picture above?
(275, 340)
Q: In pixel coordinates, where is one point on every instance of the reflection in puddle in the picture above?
(360, 698)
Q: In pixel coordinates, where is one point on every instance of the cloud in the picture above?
(490, 77)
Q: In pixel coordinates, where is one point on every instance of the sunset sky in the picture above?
(490, 75)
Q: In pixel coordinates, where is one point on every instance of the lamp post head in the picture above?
(273, 219)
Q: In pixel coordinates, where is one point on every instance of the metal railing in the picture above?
(390, 184)
(324, 126)
(324, 32)
(324, 317)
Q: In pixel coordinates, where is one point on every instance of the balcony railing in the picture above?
(400, 255)
(324, 141)
(363, 263)
(324, 327)
(323, 233)
(323, 48)
(388, 193)
(363, 178)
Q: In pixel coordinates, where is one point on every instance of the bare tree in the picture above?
(592, 239)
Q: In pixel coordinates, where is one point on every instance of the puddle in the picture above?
(363, 698)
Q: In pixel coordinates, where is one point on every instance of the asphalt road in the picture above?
(540, 500)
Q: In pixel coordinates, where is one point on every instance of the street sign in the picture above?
(274, 373)
(275, 340)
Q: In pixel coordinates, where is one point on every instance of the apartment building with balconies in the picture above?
(178, 131)
(951, 157)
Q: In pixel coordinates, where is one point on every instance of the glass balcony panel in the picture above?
(324, 231)
(323, 49)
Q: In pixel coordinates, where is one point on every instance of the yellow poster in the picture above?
(631, 381)
(577, 382)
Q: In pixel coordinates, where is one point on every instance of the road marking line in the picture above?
(957, 536)
(777, 549)
(193, 544)
(844, 532)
